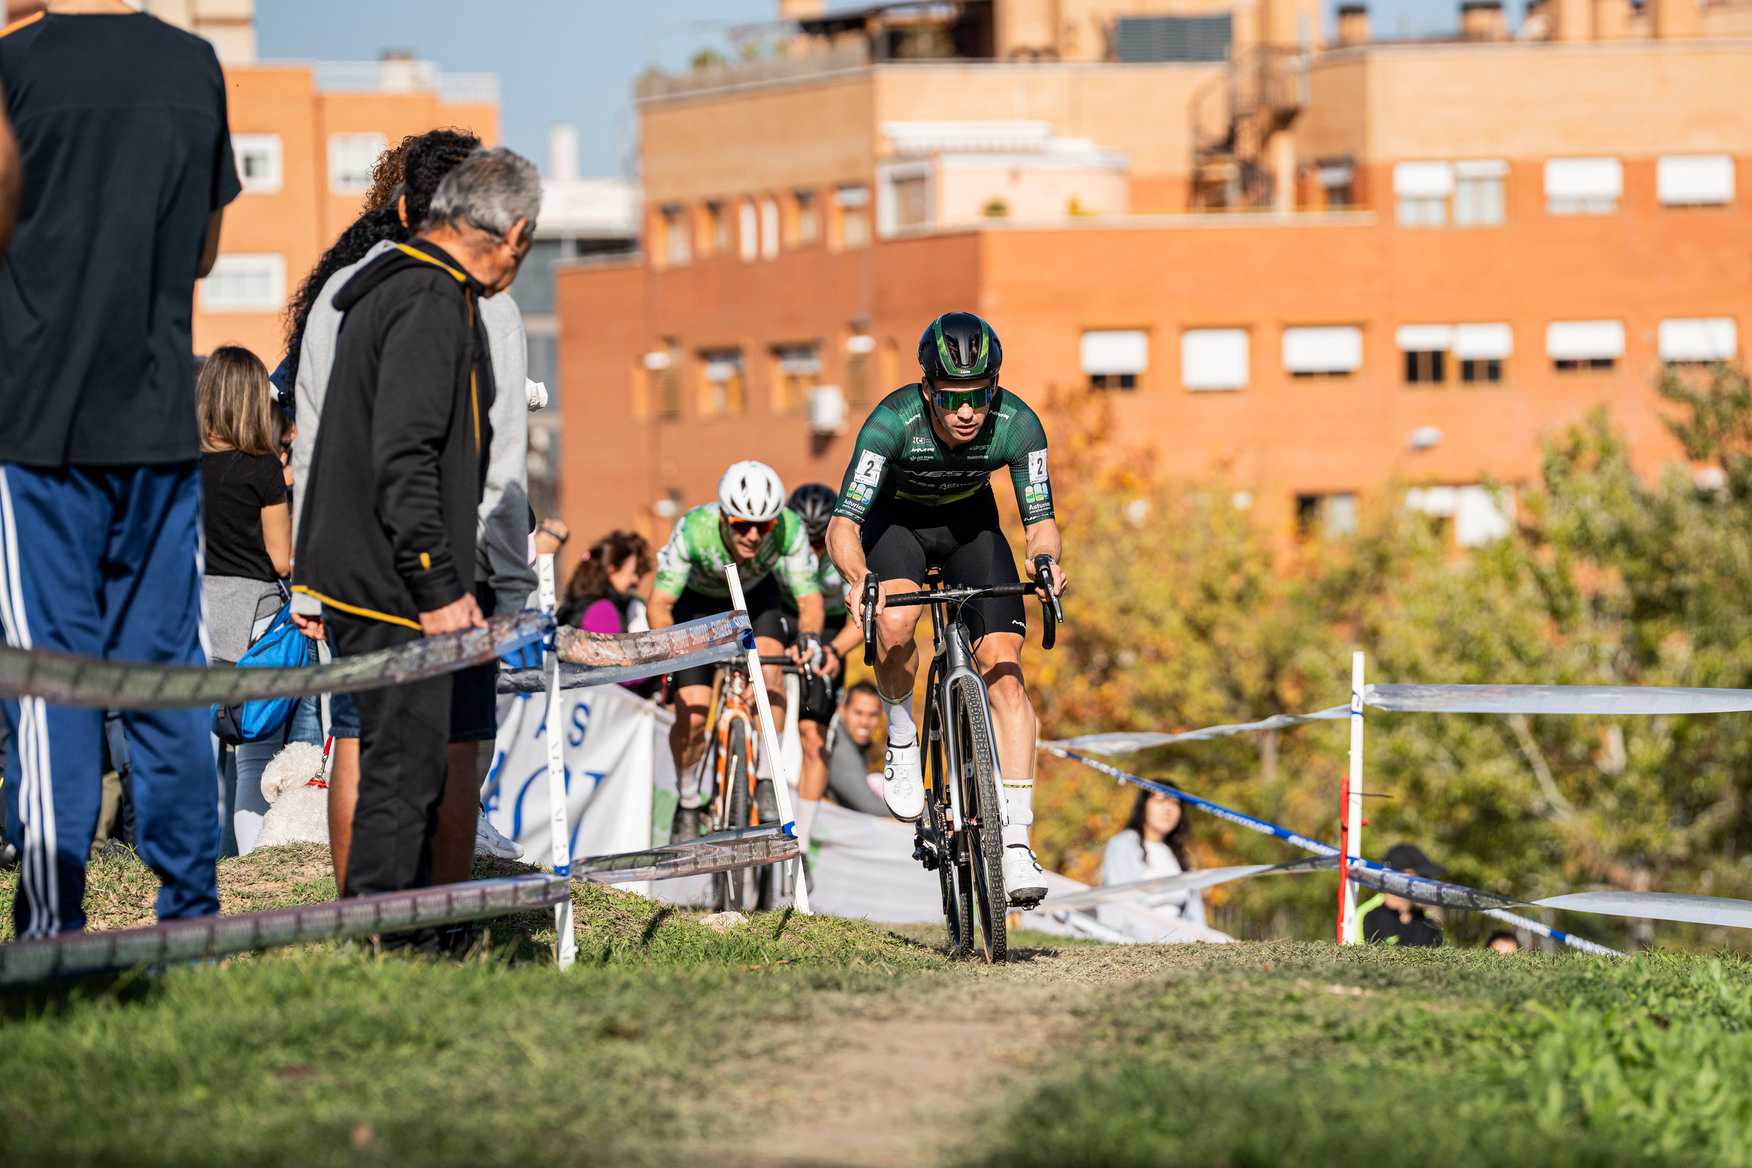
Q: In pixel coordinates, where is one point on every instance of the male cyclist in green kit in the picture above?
(917, 495)
(750, 526)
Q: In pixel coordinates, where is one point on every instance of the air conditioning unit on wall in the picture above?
(827, 410)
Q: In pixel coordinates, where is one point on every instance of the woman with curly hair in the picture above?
(600, 592)
(503, 574)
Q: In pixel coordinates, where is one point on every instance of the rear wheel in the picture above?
(735, 890)
(983, 830)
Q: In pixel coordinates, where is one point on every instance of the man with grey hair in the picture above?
(395, 483)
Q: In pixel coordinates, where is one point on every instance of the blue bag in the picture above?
(281, 646)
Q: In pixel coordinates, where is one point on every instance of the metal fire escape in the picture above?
(1235, 116)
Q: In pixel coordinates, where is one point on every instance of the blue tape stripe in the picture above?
(1297, 839)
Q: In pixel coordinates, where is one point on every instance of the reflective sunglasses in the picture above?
(752, 526)
(950, 401)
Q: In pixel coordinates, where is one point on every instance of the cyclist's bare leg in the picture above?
(687, 736)
(897, 650)
(1013, 722)
(1000, 661)
(812, 785)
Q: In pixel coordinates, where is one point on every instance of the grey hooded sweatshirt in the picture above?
(502, 524)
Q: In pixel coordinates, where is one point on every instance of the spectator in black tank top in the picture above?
(248, 522)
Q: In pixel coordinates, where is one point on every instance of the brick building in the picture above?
(305, 136)
(1299, 259)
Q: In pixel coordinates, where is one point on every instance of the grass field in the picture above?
(822, 1041)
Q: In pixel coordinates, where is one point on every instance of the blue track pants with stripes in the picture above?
(105, 562)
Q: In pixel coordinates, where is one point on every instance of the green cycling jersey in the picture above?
(694, 558)
(899, 455)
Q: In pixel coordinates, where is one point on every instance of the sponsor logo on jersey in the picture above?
(1037, 466)
(1036, 495)
(870, 466)
(859, 493)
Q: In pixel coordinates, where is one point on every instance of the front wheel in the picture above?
(983, 831)
(735, 891)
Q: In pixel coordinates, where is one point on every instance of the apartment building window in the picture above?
(1337, 178)
(1583, 186)
(1699, 340)
(1695, 180)
(1475, 514)
(1479, 199)
(853, 205)
(260, 164)
(747, 231)
(1213, 359)
(1425, 352)
(677, 245)
(1481, 350)
(796, 371)
(1332, 516)
(351, 157)
(723, 388)
(245, 283)
(860, 353)
(1114, 358)
(769, 229)
(808, 217)
(906, 200)
(717, 228)
(1323, 351)
(1582, 346)
(1421, 191)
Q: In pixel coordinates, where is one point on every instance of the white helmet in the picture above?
(751, 490)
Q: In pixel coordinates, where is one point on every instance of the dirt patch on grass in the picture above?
(901, 1077)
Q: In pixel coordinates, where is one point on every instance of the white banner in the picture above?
(616, 750)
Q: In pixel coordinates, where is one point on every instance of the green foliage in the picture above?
(1608, 578)
(1297, 1054)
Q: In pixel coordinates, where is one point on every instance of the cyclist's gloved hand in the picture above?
(809, 650)
(1055, 576)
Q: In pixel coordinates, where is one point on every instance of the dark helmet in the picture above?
(813, 503)
(959, 345)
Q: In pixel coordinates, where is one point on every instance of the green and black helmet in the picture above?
(959, 346)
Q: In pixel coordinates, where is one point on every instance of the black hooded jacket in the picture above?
(401, 455)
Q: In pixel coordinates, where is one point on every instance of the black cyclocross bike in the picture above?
(960, 836)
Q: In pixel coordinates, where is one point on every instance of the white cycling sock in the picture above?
(1019, 806)
(901, 730)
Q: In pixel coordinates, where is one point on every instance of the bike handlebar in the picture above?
(1052, 612)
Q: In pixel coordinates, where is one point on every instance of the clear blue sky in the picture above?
(575, 60)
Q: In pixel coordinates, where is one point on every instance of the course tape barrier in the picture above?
(1193, 881)
(78, 954)
(608, 658)
(1605, 700)
(120, 685)
(1124, 742)
(1600, 700)
(1360, 868)
(723, 851)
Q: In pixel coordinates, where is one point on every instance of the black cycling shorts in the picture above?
(766, 612)
(963, 540)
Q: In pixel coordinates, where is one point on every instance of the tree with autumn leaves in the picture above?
(1183, 614)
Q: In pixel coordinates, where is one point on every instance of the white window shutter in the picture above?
(1584, 340)
(1115, 351)
(1583, 178)
(1324, 349)
(1713, 338)
(1695, 179)
(1213, 359)
(1415, 180)
(1483, 342)
(1424, 338)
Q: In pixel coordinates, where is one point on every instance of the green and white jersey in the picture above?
(833, 590)
(899, 455)
(695, 556)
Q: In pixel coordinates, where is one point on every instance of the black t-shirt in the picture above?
(234, 489)
(121, 122)
(1383, 925)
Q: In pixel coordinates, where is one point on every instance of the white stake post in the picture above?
(769, 735)
(1351, 813)
(558, 828)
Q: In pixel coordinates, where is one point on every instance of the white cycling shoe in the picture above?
(1022, 877)
(903, 784)
(488, 841)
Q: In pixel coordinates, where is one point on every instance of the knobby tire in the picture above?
(985, 842)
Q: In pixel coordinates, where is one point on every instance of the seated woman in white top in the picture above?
(1153, 844)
